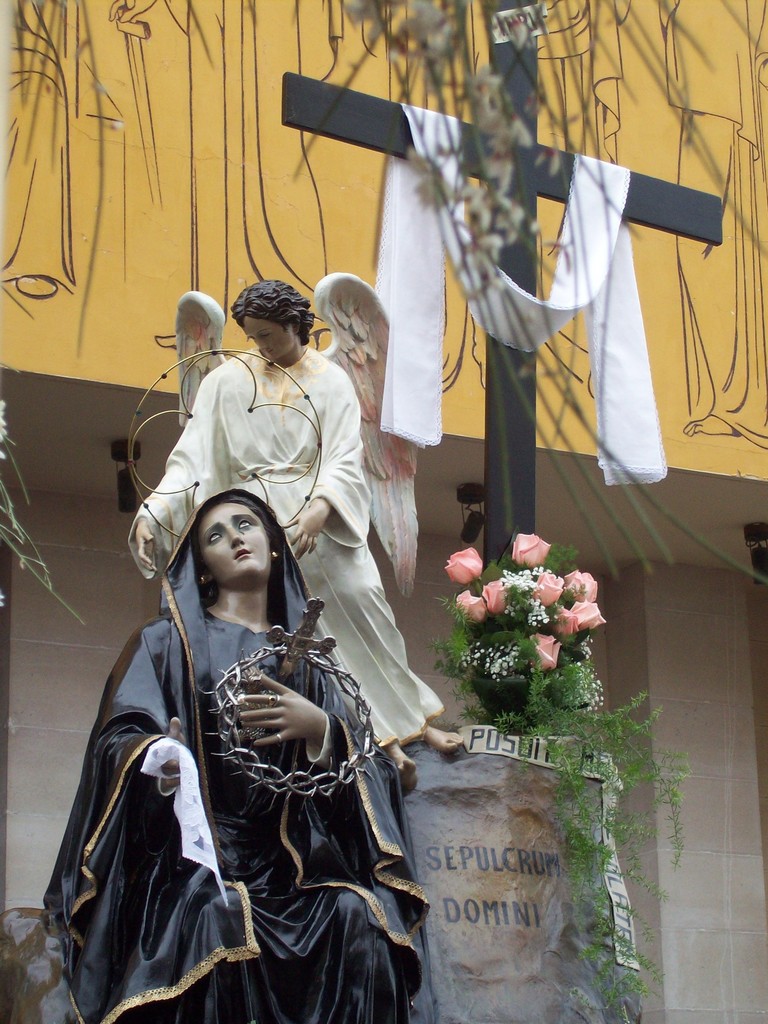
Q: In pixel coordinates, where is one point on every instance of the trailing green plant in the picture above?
(520, 653)
(12, 533)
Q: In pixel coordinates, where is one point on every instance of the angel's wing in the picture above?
(360, 332)
(199, 328)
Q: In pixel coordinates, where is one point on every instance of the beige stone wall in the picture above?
(687, 630)
(58, 667)
(681, 633)
(757, 624)
(5, 667)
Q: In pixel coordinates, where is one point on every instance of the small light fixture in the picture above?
(471, 498)
(756, 539)
(127, 499)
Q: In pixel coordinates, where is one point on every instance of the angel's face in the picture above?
(279, 343)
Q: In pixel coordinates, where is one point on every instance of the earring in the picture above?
(275, 555)
(204, 578)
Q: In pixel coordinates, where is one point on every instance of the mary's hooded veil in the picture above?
(141, 924)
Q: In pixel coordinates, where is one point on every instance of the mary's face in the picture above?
(235, 547)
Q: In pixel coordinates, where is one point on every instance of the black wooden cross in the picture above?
(510, 404)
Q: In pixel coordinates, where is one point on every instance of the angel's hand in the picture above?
(293, 716)
(145, 544)
(308, 524)
(171, 773)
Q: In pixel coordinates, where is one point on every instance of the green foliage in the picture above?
(12, 533)
(586, 743)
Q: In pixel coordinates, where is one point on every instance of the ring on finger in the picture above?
(278, 737)
(273, 700)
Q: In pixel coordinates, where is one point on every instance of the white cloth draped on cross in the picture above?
(594, 275)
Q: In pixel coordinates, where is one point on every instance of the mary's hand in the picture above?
(293, 716)
(145, 544)
(169, 782)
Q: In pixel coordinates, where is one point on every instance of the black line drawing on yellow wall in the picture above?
(581, 57)
(580, 73)
(725, 373)
(38, 258)
(721, 139)
(200, 180)
(183, 134)
(239, 190)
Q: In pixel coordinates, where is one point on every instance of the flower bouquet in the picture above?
(520, 652)
(520, 649)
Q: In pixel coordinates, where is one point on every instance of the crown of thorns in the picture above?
(245, 677)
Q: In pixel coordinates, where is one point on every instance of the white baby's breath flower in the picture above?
(3, 428)
(369, 14)
(430, 28)
(432, 188)
(523, 580)
(549, 156)
(362, 10)
(538, 614)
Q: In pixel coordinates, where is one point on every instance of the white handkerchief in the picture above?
(196, 839)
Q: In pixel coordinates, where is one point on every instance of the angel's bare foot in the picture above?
(445, 742)
(713, 425)
(405, 766)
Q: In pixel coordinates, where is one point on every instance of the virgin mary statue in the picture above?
(315, 915)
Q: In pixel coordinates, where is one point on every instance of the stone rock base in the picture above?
(32, 986)
(505, 939)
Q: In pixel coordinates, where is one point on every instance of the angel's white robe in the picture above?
(271, 451)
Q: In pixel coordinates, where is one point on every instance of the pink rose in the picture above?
(582, 585)
(587, 615)
(495, 597)
(548, 650)
(529, 549)
(548, 588)
(567, 622)
(473, 607)
(464, 566)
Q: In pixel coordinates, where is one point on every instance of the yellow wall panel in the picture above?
(147, 157)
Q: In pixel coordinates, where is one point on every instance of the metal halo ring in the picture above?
(137, 423)
(273, 700)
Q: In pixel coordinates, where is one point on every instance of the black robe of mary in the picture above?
(322, 917)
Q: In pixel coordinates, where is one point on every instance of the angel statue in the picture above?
(283, 421)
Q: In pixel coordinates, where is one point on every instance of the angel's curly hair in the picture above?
(275, 301)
